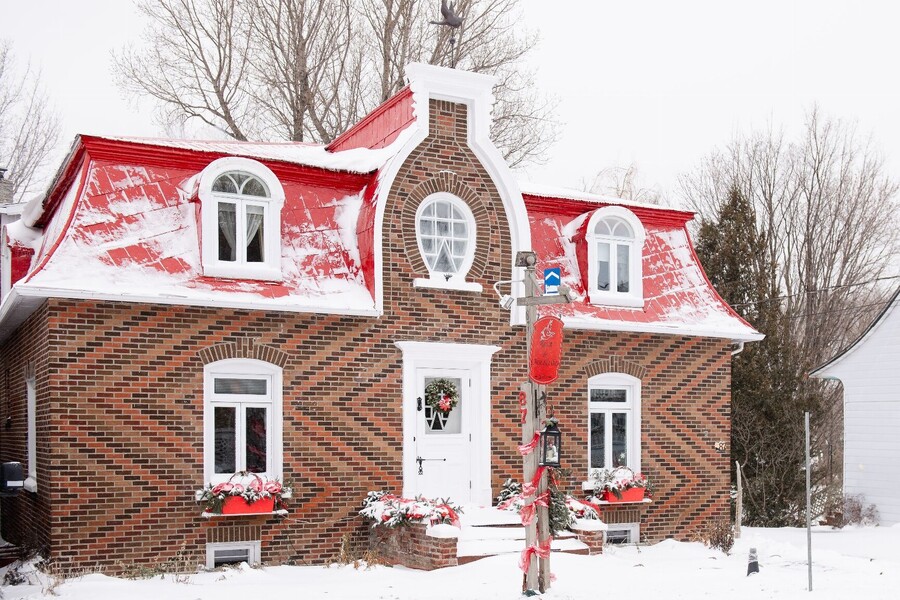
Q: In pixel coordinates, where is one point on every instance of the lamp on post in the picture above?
(551, 445)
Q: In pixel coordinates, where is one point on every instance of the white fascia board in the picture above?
(686, 330)
(45, 292)
(831, 370)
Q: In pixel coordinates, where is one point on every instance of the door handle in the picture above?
(419, 403)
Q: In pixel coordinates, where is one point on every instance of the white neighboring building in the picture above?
(870, 372)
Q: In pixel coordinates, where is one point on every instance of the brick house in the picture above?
(330, 284)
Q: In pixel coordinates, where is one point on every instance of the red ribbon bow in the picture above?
(540, 549)
(523, 406)
(529, 511)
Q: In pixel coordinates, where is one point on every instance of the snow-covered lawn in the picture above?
(848, 563)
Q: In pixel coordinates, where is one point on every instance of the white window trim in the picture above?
(633, 529)
(456, 281)
(238, 367)
(253, 555)
(270, 269)
(31, 402)
(632, 385)
(635, 296)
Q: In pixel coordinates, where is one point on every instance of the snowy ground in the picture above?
(848, 563)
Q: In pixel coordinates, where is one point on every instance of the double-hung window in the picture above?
(615, 239)
(614, 422)
(241, 220)
(243, 429)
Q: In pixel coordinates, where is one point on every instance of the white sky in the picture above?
(655, 82)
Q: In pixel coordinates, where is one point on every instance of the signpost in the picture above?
(543, 369)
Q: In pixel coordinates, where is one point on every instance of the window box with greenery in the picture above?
(620, 485)
(244, 494)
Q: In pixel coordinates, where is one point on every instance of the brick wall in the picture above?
(125, 397)
(412, 547)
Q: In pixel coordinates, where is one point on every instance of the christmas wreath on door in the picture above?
(441, 395)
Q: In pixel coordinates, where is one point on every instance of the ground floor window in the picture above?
(243, 427)
(614, 426)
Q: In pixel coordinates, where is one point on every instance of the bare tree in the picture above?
(824, 205)
(305, 70)
(29, 127)
(622, 182)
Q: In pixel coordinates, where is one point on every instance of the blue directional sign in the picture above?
(552, 278)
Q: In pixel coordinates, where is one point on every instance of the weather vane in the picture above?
(453, 21)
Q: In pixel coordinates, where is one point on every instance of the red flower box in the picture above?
(236, 505)
(635, 494)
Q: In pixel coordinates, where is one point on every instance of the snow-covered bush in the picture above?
(857, 512)
(388, 510)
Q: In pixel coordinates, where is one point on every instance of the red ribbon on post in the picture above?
(541, 549)
(523, 406)
(531, 487)
(529, 511)
(530, 446)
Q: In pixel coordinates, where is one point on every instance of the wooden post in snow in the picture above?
(738, 502)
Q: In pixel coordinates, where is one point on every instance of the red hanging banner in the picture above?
(546, 350)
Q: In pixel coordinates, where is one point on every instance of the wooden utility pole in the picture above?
(538, 531)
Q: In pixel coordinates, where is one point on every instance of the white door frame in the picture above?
(441, 355)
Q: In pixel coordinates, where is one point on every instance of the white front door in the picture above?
(443, 442)
(447, 456)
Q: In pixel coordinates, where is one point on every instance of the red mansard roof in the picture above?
(122, 223)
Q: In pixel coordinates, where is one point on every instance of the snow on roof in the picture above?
(139, 240)
(530, 188)
(356, 160)
(678, 298)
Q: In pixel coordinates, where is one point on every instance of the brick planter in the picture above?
(592, 538)
(412, 547)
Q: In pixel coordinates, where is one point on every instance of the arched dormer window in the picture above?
(445, 232)
(241, 202)
(615, 239)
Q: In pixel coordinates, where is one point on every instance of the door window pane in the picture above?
(620, 439)
(225, 437)
(256, 439)
(598, 440)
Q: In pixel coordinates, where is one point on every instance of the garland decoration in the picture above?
(441, 395)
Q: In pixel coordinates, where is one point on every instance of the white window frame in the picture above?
(270, 268)
(243, 368)
(634, 297)
(631, 406)
(31, 407)
(633, 529)
(254, 551)
(452, 281)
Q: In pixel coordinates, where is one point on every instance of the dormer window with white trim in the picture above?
(445, 232)
(241, 220)
(615, 239)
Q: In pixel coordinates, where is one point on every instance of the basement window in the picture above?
(620, 534)
(232, 553)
